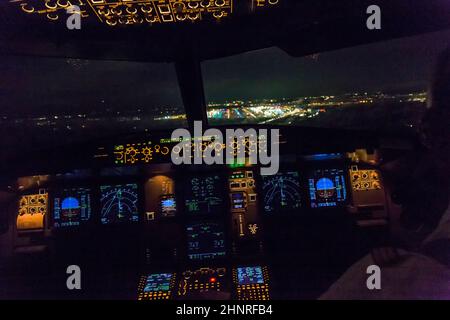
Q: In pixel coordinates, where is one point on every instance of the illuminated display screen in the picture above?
(32, 210)
(158, 282)
(323, 156)
(119, 203)
(204, 194)
(71, 207)
(327, 188)
(238, 200)
(250, 275)
(281, 192)
(205, 241)
(168, 206)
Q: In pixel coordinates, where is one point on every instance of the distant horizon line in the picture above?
(114, 109)
(321, 95)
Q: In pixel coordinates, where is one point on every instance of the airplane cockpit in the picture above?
(204, 150)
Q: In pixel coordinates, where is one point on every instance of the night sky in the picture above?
(33, 85)
(393, 66)
(38, 86)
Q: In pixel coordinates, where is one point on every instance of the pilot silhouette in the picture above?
(420, 183)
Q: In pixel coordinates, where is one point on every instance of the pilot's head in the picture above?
(436, 122)
(424, 187)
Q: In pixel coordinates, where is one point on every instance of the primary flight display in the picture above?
(71, 207)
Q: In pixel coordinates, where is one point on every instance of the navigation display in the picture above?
(204, 194)
(205, 241)
(250, 275)
(119, 203)
(281, 192)
(327, 188)
(71, 207)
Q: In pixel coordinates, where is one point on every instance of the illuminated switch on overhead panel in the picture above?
(164, 9)
(133, 12)
(193, 4)
(167, 18)
(263, 3)
(260, 3)
(220, 3)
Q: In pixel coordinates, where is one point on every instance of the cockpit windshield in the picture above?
(376, 86)
(52, 101)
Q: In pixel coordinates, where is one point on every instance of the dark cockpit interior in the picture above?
(89, 172)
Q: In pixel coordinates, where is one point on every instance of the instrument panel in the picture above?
(244, 205)
(201, 281)
(119, 203)
(249, 283)
(207, 230)
(123, 13)
(156, 286)
(205, 240)
(252, 283)
(71, 207)
(327, 188)
(202, 194)
(281, 192)
(32, 211)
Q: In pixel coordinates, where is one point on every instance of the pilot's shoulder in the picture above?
(442, 231)
(412, 276)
